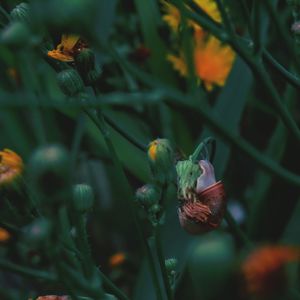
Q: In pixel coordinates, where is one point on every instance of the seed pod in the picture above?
(70, 82)
(204, 209)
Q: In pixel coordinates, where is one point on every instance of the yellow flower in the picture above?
(4, 235)
(11, 167)
(212, 61)
(172, 14)
(70, 45)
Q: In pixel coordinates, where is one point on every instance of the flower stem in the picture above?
(99, 121)
(161, 260)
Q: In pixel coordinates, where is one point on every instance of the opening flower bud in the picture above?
(148, 195)
(11, 167)
(70, 82)
(161, 157)
(171, 264)
(202, 199)
(83, 198)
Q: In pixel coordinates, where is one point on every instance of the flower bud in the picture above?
(21, 13)
(11, 167)
(148, 195)
(50, 170)
(85, 60)
(83, 198)
(37, 232)
(202, 199)
(70, 82)
(161, 157)
(15, 35)
(171, 264)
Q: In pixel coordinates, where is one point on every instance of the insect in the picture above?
(68, 48)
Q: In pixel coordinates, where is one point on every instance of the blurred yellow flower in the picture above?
(11, 167)
(69, 46)
(212, 60)
(152, 150)
(172, 14)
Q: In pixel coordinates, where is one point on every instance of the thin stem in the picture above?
(112, 287)
(125, 134)
(237, 231)
(288, 76)
(161, 260)
(9, 266)
(100, 123)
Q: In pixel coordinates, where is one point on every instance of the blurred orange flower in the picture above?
(263, 269)
(69, 46)
(117, 259)
(212, 60)
(53, 297)
(4, 235)
(11, 166)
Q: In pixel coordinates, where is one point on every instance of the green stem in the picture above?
(288, 76)
(100, 123)
(112, 287)
(9, 266)
(237, 231)
(161, 260)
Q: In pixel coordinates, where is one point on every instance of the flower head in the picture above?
(69, 46)
(4, 235)
(263, 269)
(212, 60)
(11, 166)
(117, 259)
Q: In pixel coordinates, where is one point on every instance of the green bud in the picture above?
(15, 35)
(70, 82)
(171, 264)
(83, 198)
(21, 13)
(162, 158)
(148, 195)
(92, 77)
(187, 174)
(49, 170)
(37, 232)
(85, 60)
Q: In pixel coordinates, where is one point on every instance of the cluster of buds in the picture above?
(202, 198)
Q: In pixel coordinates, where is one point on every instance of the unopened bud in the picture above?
(70, 82)
(50, 170)
(21, 13)
(161, 157)
(148, 195)
(37, 232)
(83, 198)
(85, 60)
(171, 264)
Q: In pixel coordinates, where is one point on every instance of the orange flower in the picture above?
(152, 150)
(11, 167)
(4, 235)
(212, 60)
(263, 269)
(70, 45)
(117, 259)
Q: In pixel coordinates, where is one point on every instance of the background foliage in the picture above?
(254, 119)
